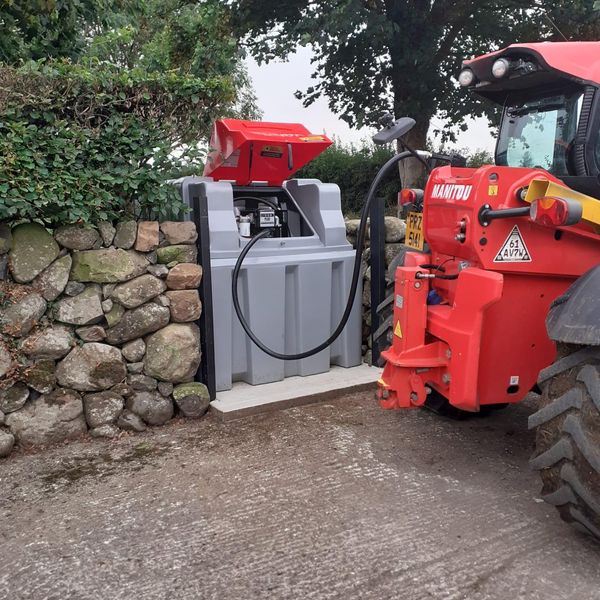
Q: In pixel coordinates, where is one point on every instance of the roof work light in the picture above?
(500, 68)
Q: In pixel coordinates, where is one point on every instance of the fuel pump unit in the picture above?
(290, 293)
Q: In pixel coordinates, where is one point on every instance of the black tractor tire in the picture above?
(383, 336)
(567, 424)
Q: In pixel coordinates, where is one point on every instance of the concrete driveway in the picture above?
(338, 500)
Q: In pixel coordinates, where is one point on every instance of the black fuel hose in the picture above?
(360, 240)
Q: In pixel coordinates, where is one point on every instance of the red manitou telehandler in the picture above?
(500, 292)
(497, 290)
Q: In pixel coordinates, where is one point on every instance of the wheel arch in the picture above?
(574, 317)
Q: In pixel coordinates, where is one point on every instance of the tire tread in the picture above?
(560, 451)
(568, 427)
(570, 399)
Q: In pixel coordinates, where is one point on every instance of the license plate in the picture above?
(414, 231)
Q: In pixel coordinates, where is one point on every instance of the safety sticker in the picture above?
(493, 190)
(272, 151)
(398, 330)
(313, 138)
(399, 301)
(514, 380)
(514, 249)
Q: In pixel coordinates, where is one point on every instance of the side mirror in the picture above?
(457, 160)
(393, 130)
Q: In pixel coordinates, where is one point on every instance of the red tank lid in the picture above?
(246, 152)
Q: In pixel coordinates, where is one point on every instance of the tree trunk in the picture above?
(412, 172)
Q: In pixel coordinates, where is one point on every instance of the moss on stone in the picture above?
(173, 353)
(190, 389)
(33, 249)
(41, 376)
(107, 265)
(176, 254)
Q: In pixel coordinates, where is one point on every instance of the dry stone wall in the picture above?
(97, 330)
(395, 230)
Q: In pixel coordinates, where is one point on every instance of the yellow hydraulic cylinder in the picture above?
(542, 188)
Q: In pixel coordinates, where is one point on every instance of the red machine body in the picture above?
(577, 59)
(479, 337)
(246, 152)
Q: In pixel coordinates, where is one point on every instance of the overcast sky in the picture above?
(276, 82)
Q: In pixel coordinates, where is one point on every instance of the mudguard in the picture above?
(574, 317)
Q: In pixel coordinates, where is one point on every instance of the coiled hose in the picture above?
(360, 240)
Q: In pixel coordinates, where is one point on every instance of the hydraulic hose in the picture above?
(360, 239)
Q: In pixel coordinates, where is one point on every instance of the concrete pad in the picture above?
(245, 399)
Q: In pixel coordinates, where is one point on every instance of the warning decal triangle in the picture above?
(398, 330)
(514, 249)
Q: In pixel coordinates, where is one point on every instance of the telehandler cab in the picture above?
(505, 296)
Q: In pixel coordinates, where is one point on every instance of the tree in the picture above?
(477, 158)
(187, 37)
(194, 38)
(400, 56)
(39, 29)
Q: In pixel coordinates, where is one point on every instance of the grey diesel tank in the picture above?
(293, 287)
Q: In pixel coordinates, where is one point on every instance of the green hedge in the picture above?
(353, 169)
(92, 142)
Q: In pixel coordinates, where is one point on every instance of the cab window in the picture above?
(539, 132)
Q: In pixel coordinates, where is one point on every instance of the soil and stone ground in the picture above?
(337, 500)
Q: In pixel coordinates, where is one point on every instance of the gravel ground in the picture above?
(337, 500)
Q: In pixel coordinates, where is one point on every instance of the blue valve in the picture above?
(433, 298)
